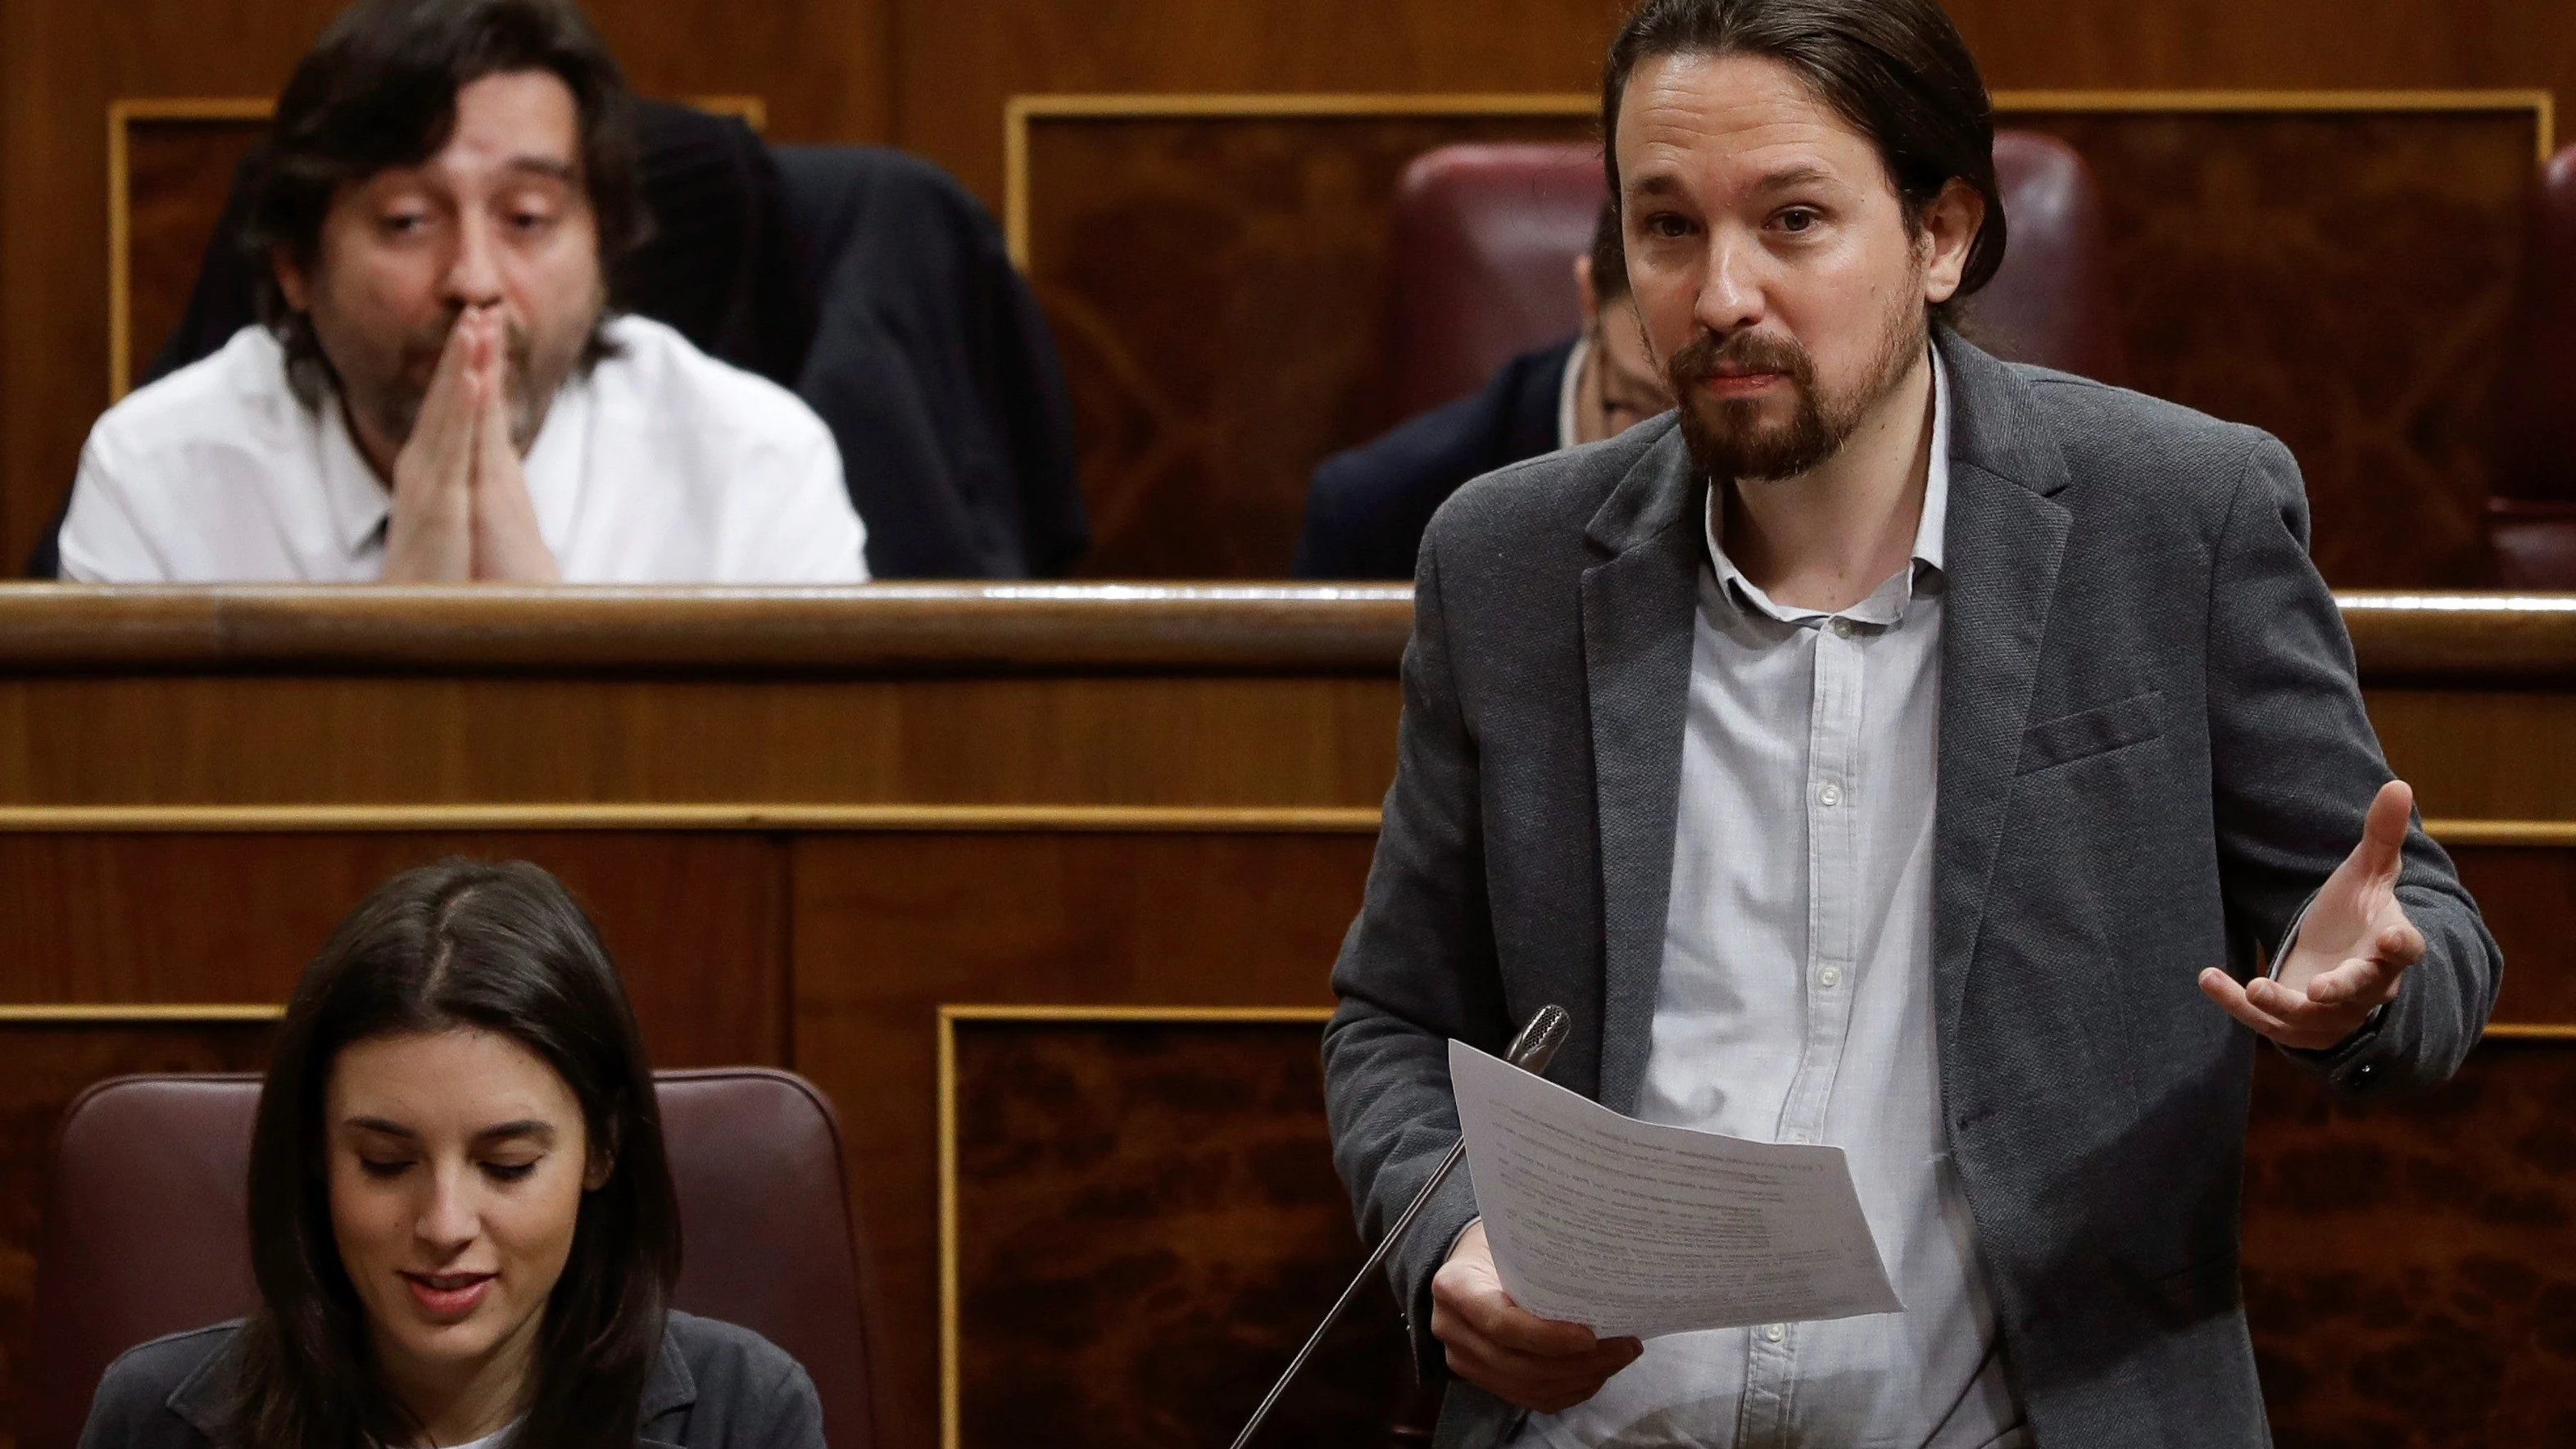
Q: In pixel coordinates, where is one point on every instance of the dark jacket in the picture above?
(2152, 752)
(717, 1387)
(1366, 508)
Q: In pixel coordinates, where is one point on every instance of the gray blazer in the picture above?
(716, 1387)
(2152, 752)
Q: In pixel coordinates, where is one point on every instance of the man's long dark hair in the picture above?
(496, 948)
(1897, 70)
(378, 90)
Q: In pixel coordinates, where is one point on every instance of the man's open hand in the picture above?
(2353, 946)
(1506, 1350)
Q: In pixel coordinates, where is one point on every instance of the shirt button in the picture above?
(1830, 977)
(1774, 1332)
(1801, 1138)
(1842, 628)
(1830, 796)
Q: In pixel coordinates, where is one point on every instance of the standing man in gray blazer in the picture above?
(1895, 749)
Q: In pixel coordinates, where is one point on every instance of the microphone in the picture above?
(1530, 1051)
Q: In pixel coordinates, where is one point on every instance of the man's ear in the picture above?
(291, 281)
(1951, 222)
(1585, 294)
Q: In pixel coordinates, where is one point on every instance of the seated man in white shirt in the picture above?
(440, 391)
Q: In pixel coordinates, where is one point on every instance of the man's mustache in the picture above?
(1709, 355)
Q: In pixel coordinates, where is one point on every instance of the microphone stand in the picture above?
(1530, 1051)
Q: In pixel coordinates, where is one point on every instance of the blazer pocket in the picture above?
(2096, 731)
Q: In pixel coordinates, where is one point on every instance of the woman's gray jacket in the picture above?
(716, 1387)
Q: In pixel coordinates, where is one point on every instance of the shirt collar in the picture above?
(1569, 391)
(1930, 534)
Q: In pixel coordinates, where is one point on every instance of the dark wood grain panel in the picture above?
(1084, 1321)
(888, 928)
(2407, 1270)
(2338, 280)
(178, 176)
(1218, 287)
(46, 1067)
(2528, 896)
(1105, 741)
(696, 923)
(1219, 293)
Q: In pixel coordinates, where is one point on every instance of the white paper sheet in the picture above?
(1638, 1229)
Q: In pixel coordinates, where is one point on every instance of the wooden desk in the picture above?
(808, 820)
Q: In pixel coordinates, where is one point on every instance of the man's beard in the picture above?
(1728, 438)
(397, 405)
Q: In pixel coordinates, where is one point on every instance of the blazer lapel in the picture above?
(1638, 609)
(2006, 538)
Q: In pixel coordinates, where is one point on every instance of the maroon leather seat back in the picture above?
(146, 1230)
(1485, 236)
(2531, 507)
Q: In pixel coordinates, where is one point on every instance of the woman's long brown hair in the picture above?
(498, 948)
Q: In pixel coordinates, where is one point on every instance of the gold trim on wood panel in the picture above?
(2539, 833)
(2529, 1031)
(1018, 111)
(93, 1013)
(318, 819)
(949, 1015)
(122, 114)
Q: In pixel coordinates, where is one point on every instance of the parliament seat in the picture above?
(2531, 501)
(146, 1230)
(1485, 235)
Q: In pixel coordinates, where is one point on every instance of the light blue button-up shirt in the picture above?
(1796, 1005)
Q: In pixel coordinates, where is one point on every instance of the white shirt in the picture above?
(1569, 391)
(1795, 1004)
(663, 465)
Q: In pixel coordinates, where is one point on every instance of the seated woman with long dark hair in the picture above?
(462, 1222)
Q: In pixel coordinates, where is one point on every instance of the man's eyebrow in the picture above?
(553, 167)
(1662, 183)
(1789, 176)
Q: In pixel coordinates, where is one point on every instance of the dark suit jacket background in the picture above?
(864, 280)
(1366, 507)
(2152, 751)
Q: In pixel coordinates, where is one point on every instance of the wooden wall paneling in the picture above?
(891, 927)
(824, 67)
(1140, 741)
(2406, 1264)
(957, 65)
(2333, 268)
(697, 923)
(1144, 1221)
(2528, 895)
(2491, 754)
(2405, 1268)
(1218, 285)
(47, 1066)
(2338, 278)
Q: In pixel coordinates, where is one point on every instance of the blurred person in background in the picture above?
(1366, 508)
(440, 389)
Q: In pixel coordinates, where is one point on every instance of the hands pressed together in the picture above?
(461, 509)
(2353, 946)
